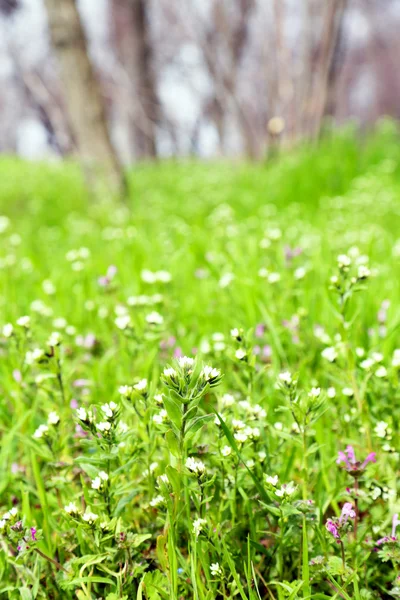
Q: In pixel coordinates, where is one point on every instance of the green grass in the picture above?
(225, 232)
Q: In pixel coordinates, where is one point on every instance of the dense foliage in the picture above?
(199, 392)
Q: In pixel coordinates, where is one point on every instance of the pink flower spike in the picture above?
(370, 458)
(351, 454)
(347, 512)
(331, 527)
(395, 523)
(342, 458)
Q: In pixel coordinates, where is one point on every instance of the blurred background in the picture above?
(158, 78)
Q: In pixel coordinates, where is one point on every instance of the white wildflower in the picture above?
(198, 526)
(41, 431)
(215, 569)
(329, 353)
(195, 466)
(154, 318)
(272, 480)
(53, 418)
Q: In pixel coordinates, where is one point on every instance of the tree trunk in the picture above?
(333, 17)
(132, 37)
(84, 102)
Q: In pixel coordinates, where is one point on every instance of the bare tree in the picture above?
(330, 35)
(132, 37)
(84, 102)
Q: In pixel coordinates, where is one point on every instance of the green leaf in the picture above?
(174, 478)
(174, 411)
(172, 442)
(197, 423)
(139, 538)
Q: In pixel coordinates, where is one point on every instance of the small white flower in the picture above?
(89, 517)
(170, 372)
(343, 260)
(285, 377)
(141, 386)
(287, 489)
(195, 466)
(109, 409)
(226, 280)
(24, 321)
(3, 523)
(209, 373)
(300, 273)
(53, 418)
(363, 272)
(226, 451)
(161, 417)
(381, 372)
(315, 392)
(235, 333)
(154, 318)
(198, 526)
(186, 362)
(240, 437)
(215, 569)
(8, 330)
(4, 223)
(331, 392)
(381, 429)
(125, 390)
(41, 431)
(163, 276)
(71, 509)
(273, 277)
(163, 479)
(240, 354)
(157, 501)
(48, 287)
(81, 414)
(104, 427)
(272, 480)
(227, 400)
(123, 322)
(148, 276)
(396, 358)
(54, 339)
(349, 392)
(329, 353)
(96, 483)
(10, 514)
(367, 364)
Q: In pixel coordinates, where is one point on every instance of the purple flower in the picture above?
(17, 375)
(348, 512)
(260, 330)
(395, 523)
(33, 534)
(348, 459)
(291, 253)
(392, 538)
(178, 352)
(105, 280)
(74, 403)
(332, 528)
(79, 383)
